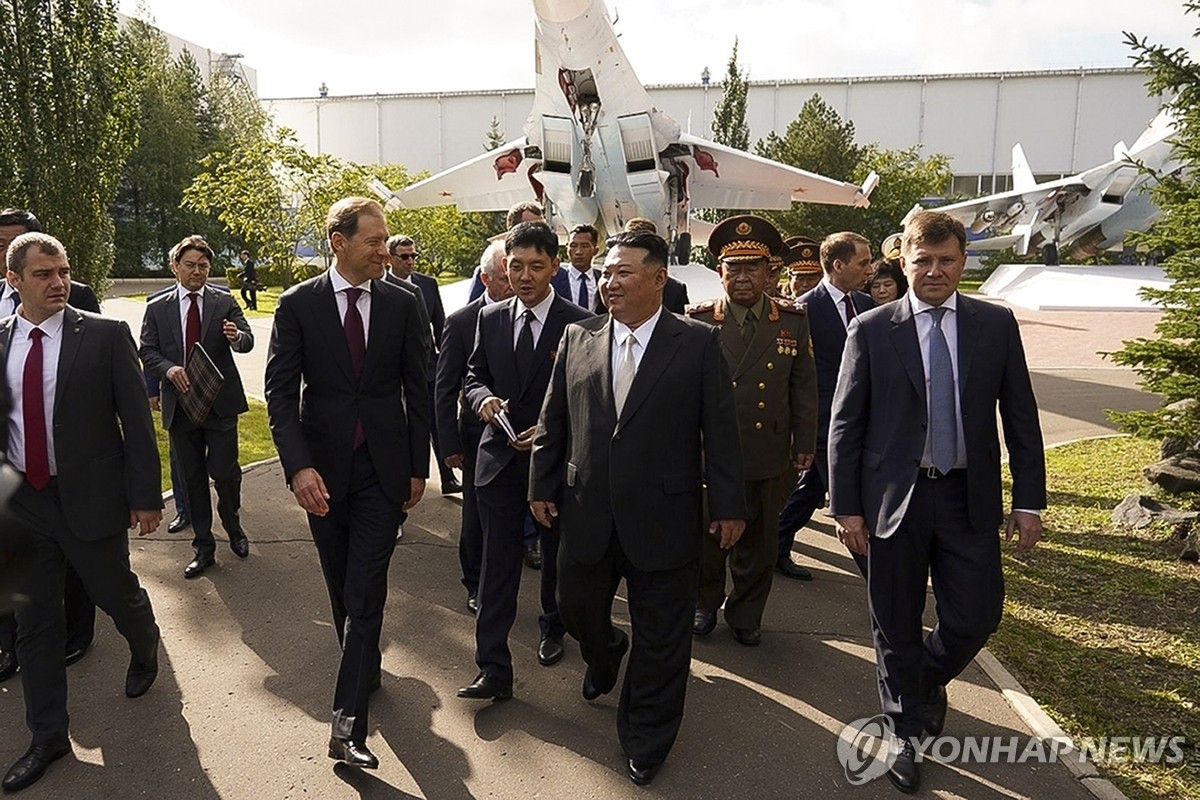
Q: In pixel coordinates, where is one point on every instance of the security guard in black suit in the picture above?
(766, 344)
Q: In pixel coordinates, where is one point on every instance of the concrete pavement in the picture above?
(241, 706)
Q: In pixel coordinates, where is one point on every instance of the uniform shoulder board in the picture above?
(700, 308)
(790, 305)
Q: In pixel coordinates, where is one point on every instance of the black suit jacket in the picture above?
(562, 283)
(492, 371)
(642, 474)
(427, 340)
(675, 298)
(877, 436)
(828, 342)
(162, 348)
(315, 428)
(83, 298)
(104, 445)
(458, 340)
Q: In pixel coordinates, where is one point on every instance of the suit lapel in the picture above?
(551, 332)
(72, 336)
(908, 346)
(598, 350)
(330, 321)
(664, 343)
(733, 346)
(171, 330)
(508, 354)
(968, 337)
(376, 329)
(209, 311)
(764, 334)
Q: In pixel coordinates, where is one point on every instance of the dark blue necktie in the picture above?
(943, 424)
(525, 348)
(583, 292)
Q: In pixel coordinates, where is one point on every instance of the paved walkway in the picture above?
(241, 706)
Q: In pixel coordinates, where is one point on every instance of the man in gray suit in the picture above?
(914, 466)
(638, 419)
(79, 430)
(175, 322)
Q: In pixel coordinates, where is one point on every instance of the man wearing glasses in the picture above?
(175, 323)
(403, 255)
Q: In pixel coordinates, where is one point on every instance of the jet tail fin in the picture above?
(1022, 175)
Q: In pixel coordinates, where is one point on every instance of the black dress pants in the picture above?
(103, 568)
(210, 450)
(470, 539)
(355, 541)
(935, 538)
(661, 606)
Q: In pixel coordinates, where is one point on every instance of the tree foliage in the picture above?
(729, 125)
(1170, 363)
(68, 121)
(819, 141)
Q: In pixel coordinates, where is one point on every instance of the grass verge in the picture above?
(254, 439)
(1102, 624)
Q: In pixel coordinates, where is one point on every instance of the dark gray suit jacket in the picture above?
(642, 474)
(104, 446)
(877, 436)
(828, 341)
(315, 428)
(458, 340)
(162, 348)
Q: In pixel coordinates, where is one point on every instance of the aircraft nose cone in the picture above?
(560, 10)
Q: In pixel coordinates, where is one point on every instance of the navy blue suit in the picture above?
(562, 284)
(828, 340)
(459, 429)
(502, 476)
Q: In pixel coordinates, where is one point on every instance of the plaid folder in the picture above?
(204, 381)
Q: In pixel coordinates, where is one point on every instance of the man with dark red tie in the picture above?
(79, 430)
(174, 323)
(836, 300)
(354, 441)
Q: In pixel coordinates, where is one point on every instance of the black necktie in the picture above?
(583, 291)
(850, 312)
(525, 347)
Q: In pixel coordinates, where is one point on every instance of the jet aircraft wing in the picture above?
(493, 181)
(723, 177)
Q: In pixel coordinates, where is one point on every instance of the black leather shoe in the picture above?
(197, 566)
(180, 522)
(8, 665)
(641, 774)
(550, 650)
(355, 754)
(704, 622)
(31, 766)
(904, 773)
(451, 486)
(141, 674)
(473, 602)
(751, 637)
(935, 710)
(239, 544)
(77, 653)
(591, 688)
(788, 568)
(533, 556)
(486, 687)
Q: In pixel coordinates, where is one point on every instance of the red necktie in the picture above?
(850, 312)
(191, 334)
(356, 342)
(33, 407)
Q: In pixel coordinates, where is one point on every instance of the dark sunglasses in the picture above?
(407, 256)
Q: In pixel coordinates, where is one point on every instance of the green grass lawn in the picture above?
(254, 439)
(1102, 624)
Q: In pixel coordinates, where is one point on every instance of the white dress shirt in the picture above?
(540, 311)
(587, 279)
(18, 351)
(340, 285)
(924, 321)
(836, 295)
(642, 335)
(185, 303)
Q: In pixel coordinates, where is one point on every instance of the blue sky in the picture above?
(410, 46)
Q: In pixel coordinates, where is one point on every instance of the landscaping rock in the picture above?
(1177, 474)
(1138, 511)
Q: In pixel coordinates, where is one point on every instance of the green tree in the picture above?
(68, 121)
(1169, 364)
(495, 136)
(729, 116)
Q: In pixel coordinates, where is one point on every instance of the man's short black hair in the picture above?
(538, 235)
(590, 230)
(19, 216)
(655, 246)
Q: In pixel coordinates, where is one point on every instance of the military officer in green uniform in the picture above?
(765, 341)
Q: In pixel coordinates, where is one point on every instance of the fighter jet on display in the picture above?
(1079, 215)
(597, 151)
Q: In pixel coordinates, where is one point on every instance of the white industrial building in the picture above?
(1066, 120)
